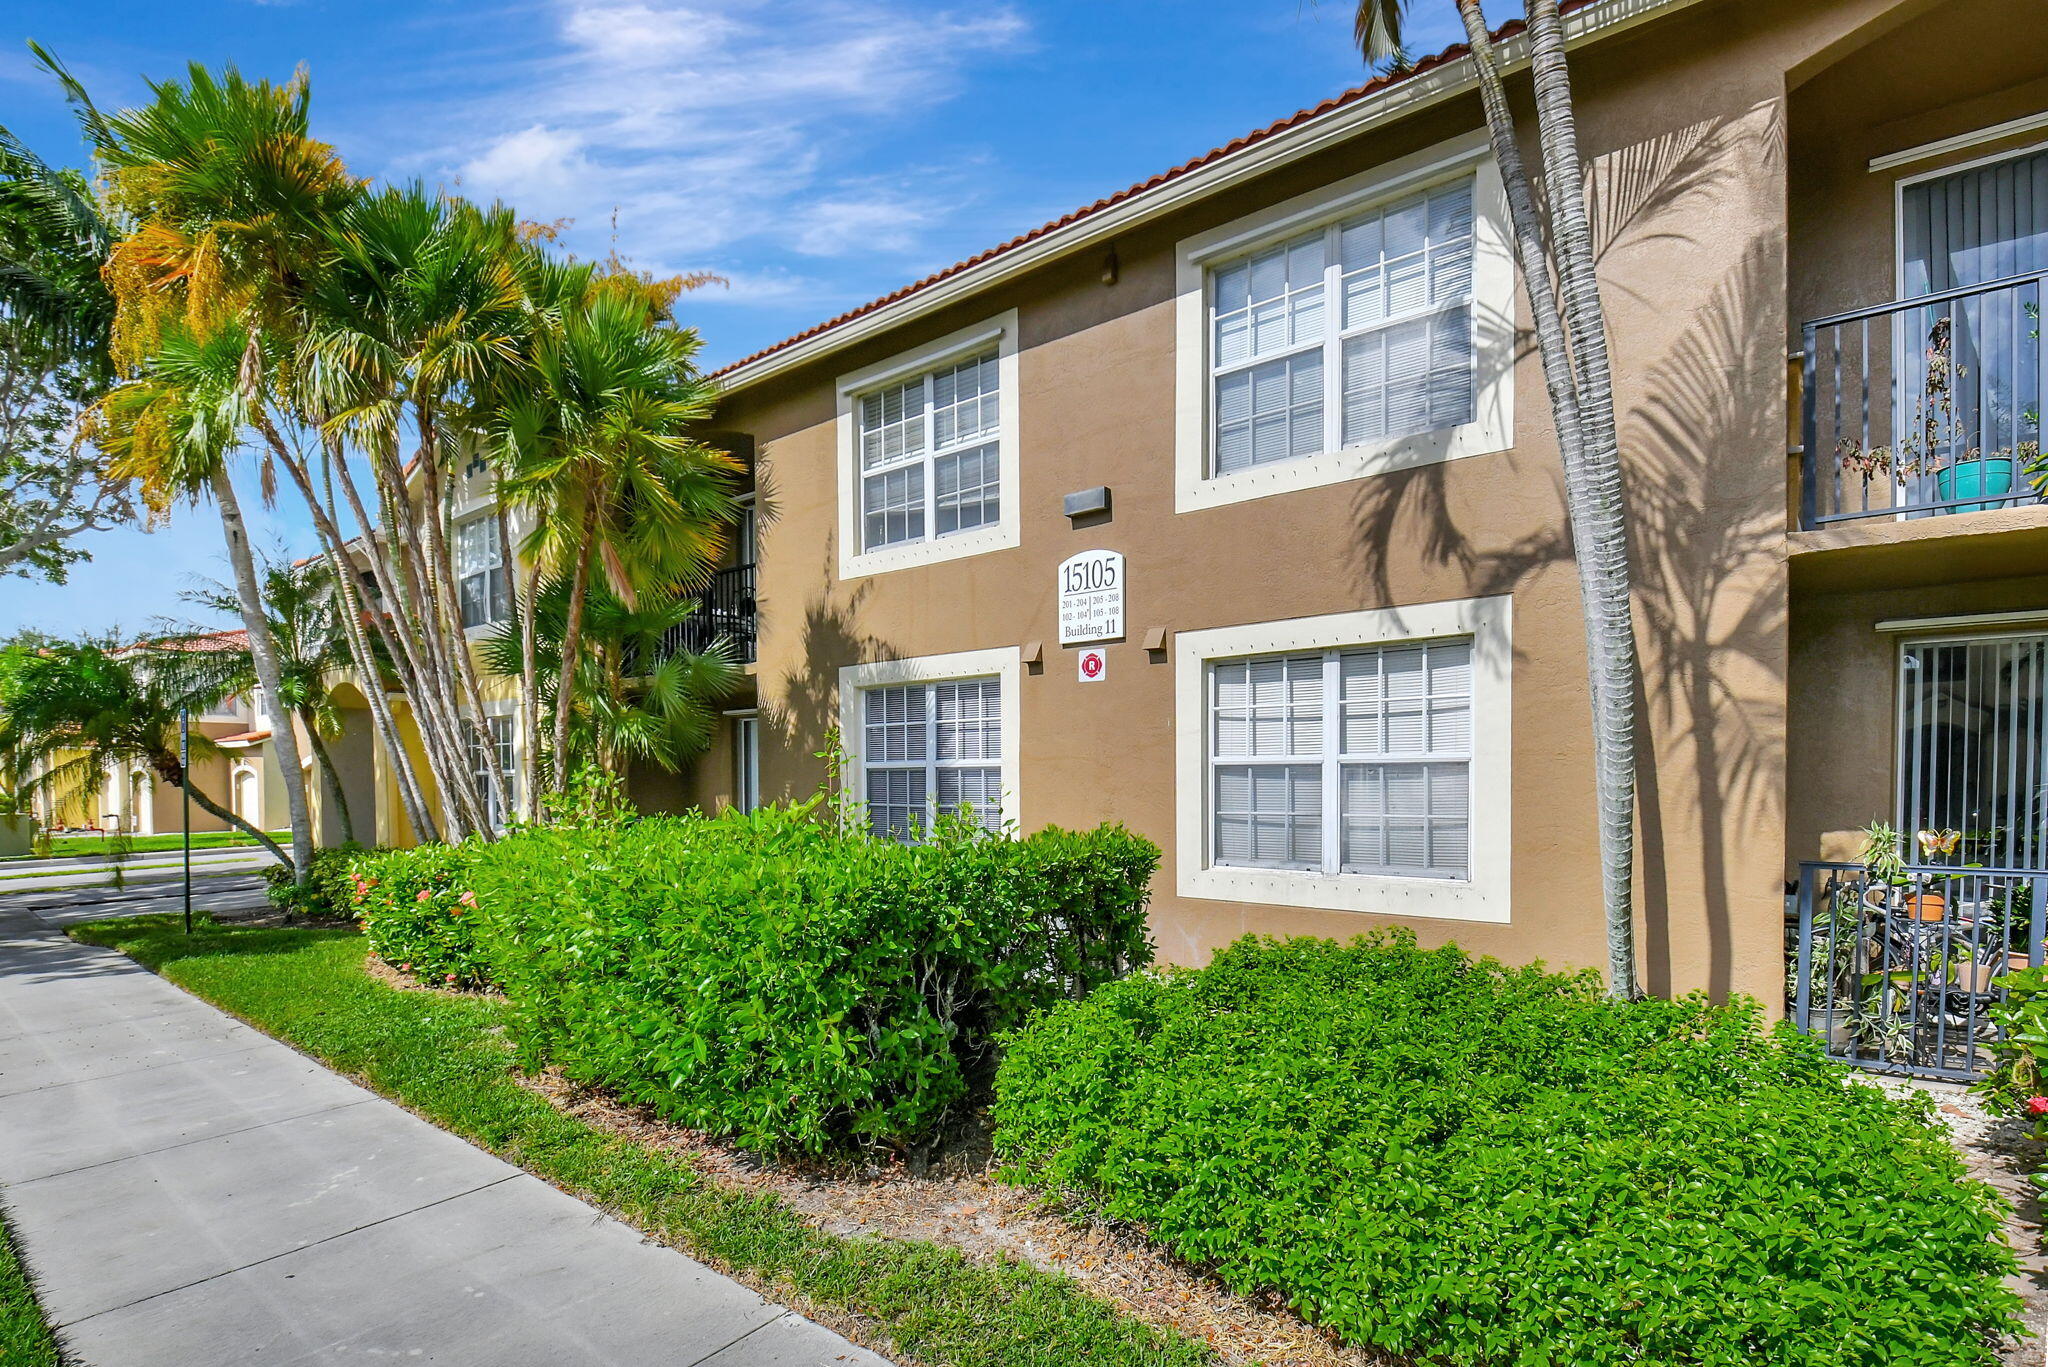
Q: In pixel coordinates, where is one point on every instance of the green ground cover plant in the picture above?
(446, 1058)
(25, 1339)
(1464, 1163)
(329, 890)
(771, 977)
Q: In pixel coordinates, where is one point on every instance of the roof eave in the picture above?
(1397, 101)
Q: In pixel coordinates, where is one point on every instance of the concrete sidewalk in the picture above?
(190, 1193)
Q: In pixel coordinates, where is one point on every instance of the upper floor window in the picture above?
(1361, 328)
(928, 450)
(928, 453)
(1355, 332)
(480, 572)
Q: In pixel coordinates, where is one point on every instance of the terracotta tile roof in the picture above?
(236, 639)
(242, 738)
(1349, 97)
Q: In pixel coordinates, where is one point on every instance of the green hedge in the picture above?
(329, 892)
(768, 977)
(1460, 1162)
(419, 914)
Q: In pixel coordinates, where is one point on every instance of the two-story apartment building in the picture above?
(1290, 386)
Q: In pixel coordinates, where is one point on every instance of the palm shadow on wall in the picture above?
(1705, 492)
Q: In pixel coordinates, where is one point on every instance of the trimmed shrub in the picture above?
(329, 893)
(768, 977)
(1455, 1161)
(419, 914)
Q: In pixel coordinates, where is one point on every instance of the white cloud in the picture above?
(723, 133)
(534, 162)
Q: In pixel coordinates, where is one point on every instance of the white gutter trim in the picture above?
(1966, 620)
(1962, 142)
(1303, 140)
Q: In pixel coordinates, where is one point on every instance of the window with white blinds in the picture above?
(929, 749)
(929, 454)
(480, 572)
(1353, 333)
(1344, 761)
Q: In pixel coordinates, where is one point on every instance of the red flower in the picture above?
(2037, 1105)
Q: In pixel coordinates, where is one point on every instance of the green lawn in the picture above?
(61, 845)
(441, 1057)
(24, 1339)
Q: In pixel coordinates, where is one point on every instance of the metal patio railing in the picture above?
(725, 609)
(1924, 407)
(1900, 976)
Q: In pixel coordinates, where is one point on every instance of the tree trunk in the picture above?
(432, 690)
(335, 546)
(284, 743)
(1614, 734)
(330, 778)
(1560, 380)
(170, 771)
(572, 643)
(460, 666)
(522, 600)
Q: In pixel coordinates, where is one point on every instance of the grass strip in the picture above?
(444, 1058)
(25, 1340)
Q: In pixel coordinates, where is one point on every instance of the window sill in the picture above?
(1444, 899)
(1344, 465)
(958, 546)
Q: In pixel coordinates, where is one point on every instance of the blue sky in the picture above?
(816, 153)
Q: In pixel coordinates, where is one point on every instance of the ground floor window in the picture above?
(501, 755)
(746, 751)
(1360, 761)
(1973, 747)
(1344, 761)
(930, 748)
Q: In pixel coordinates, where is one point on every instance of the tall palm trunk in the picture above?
(1614, 735)
(1594, 535)
(335, 547)
(476, 730)
(572, 644)
(330, 777)
(282, 738)
(521, 598)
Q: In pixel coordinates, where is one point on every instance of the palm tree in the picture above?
(307, 621)
(1572, 341)
(600, 454)
(418, 305)
(108, 709)
(633, 700)
(173, 428)
(218, 181)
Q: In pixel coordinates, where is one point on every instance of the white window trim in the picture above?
(1004, 663)
(1493, 330)
(1484, 894)
(477, 512)
(506, 709)
(855, 563)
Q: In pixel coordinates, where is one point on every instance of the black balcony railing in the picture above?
(725, 611)
(1924, 407)
(1900, 975)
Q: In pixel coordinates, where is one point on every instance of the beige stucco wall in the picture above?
(1685, 122)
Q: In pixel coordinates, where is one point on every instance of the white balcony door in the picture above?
(1973, 746)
